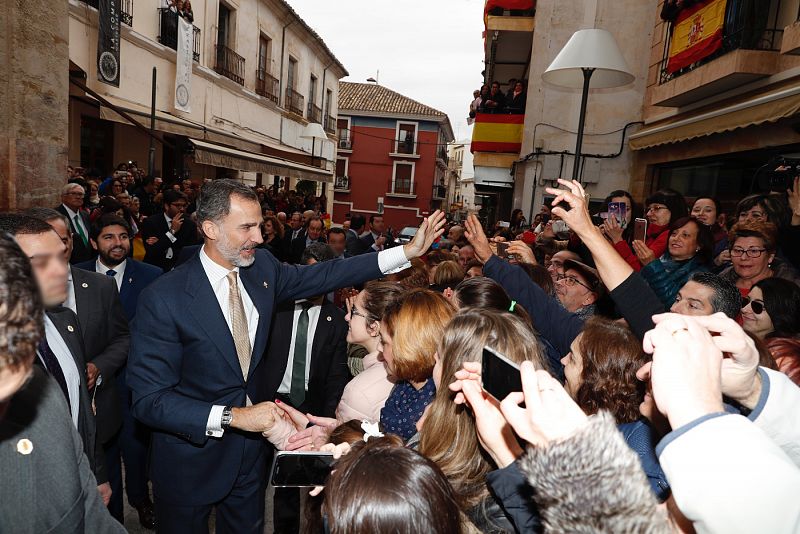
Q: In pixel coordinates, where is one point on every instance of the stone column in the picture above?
(34, 96)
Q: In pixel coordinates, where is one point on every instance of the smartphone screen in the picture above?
(502, 250)
(640, 229)
(300, 468)
(619, 210)
(500, 376)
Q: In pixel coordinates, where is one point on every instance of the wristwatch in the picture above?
(227, 417)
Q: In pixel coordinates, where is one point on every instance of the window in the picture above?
(406, 135)
(264, 54)
(343, 133)
(223, 25)
(312, 90)
(403, 181)
(341, 167)
(290, 76)
(342, 180)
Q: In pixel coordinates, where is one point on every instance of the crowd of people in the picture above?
(658, 350)
(492, 99)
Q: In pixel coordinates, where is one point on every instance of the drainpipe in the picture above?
(280, 79)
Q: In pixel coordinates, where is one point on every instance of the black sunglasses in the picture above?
(756, 305)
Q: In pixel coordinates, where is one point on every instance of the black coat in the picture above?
(329, 373)
(156, 254)
(80, 252)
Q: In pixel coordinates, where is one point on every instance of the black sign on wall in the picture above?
(108, 42)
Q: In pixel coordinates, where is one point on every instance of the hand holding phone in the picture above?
(499, 375)
(640, 230)
(502, 250)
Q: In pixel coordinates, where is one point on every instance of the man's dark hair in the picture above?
(316, 251)
(109, 219)
(726, 298)
(46, 215)
(16, 224)
(337, 231)
(171, 196)
(372, 218)
(357, 222)
(214, 201)
(148, 179)
(21, 308)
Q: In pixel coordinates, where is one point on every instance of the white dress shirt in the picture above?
(71, 214)
(218, 277)
(68, 366)
(170, 253)
(119, 269)
(313, 319)
(70, 302)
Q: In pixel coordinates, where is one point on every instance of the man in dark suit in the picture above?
(354, 244)
(310, 367)
(110, 237)
(314, 233)
(72, 196)
(197, 370)
(95, 300)
(165, 234)
(294, 237)
(60, 351)
(48, 485)
(376, 238)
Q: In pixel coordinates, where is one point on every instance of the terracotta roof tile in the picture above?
(376, 98)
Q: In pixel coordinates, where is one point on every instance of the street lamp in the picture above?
(590, 57)
(313, 131)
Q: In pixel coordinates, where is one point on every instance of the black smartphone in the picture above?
(500, 376)
(502, 249)
(640, 230)
(298, 469)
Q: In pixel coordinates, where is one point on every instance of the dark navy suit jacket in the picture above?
(183, 361)
(138, 275)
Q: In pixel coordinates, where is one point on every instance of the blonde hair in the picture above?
(449, 274)
(448, 436)
(416, 323)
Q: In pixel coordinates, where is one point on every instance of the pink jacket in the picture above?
(365, 395)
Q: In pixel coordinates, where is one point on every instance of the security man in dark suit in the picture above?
(39, 444)
(308, 353)
(72, 197)
(165, 234)
(314, 233)
(60, 351)
(197, 369)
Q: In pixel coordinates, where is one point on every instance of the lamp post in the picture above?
(590, 59)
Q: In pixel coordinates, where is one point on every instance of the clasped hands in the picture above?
(284, 426)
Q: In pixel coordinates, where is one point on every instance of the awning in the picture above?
(744, 111)
(164, 121)
(493, 177)
(230, 158)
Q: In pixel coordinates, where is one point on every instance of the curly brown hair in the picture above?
(611, 354)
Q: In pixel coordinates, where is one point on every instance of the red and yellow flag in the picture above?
(497, 133)
(697, 33)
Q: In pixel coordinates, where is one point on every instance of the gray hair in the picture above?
(214, 201)
(69, 187)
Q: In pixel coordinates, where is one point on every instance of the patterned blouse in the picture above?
(405, 406)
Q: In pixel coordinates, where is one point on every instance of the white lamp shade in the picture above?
(313, 130)
(589, 49)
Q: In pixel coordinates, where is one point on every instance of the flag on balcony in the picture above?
(183, 66)
(497, 133)
(108, 43)
(697, 33)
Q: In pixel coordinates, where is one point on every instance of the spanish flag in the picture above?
(497, 133)
(697, 33)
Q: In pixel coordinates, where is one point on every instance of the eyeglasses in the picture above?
(570, 281)
(750, 252)
(756, 305)
(656, 207)
(355, 312)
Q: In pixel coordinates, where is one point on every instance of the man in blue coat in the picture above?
(196, 366)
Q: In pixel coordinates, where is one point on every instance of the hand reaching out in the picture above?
(612, 229)
(474, 233)
(643, 252)
(522, 251)
(432, 228)
(577, 217)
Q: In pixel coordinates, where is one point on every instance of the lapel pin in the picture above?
(329, 318)
(84, 284)
(266, 285)
(69, 327)
(24, 446)
(130, 280)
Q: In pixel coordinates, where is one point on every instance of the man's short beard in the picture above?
(230, 252)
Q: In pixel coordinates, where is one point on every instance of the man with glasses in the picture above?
(165, 235)
(72, 196)
(578, 288)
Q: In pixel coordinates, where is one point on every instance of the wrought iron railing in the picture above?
(342, 183)
(747, 27)
(402, 187)
(330, 125)
(405, 145)
(229, 64)
(168, 31)
(126, 17)
(314, 113)
(294, 101)
(439, 191)
(267, 85)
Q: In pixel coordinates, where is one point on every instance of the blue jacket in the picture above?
(639, 437)
(183, 361)
(138, 275)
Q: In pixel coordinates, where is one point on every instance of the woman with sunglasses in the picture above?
(772, 309)
(753, 246)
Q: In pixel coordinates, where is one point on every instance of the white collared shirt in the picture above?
(70, 302)
(170, 253)
(71, 214)
(313, 319)
(68, 366)
(119, 269)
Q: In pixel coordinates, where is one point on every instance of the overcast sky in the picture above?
(428, 50)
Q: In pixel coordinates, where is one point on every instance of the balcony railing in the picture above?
(229, 64)
(402, 187)
(294, 101)
(439, 191)
(314, 113)
(267, 85)
(442, 155)
(743, 30)
(168, 32)
(330, 125)
(405, 146)
(126, 16)
(342, 183)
